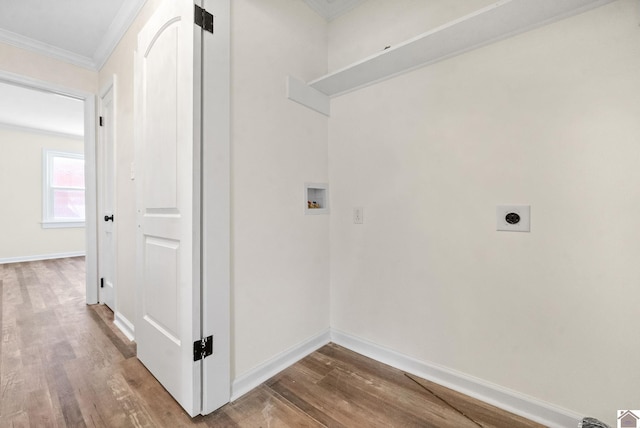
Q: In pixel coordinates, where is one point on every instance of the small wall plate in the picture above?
(513, 218)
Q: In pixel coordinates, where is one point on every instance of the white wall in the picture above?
(547, 118)
(30, 64)
(280, 257)
(23, 237)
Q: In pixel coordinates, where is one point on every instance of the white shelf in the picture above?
(503, 19)
(299, 92)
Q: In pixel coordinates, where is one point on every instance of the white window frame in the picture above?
(48, 221)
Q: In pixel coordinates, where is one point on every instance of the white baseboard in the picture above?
(260, 374)
(512, 401)
(124, 325)
(22, 259)
(503, 398)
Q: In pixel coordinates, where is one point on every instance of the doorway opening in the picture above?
(61, 207)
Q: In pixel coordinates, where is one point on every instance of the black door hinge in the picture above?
(204, 19)
(202, 348)
(101, 282)
(101, 121)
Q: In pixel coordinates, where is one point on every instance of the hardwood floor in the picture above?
(64, 364)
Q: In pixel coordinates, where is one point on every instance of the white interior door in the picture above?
(106, 198)
(168, 200)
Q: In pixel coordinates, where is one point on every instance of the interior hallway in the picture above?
(64, 364)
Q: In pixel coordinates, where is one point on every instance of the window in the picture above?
(63, 189)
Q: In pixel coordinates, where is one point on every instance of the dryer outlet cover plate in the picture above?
(513, 218)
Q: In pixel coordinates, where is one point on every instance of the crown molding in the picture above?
(116, 31)
(39, 47)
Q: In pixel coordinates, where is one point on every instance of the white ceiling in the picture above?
(80, 32)
(331, 9)
(39, 110)
(85, 32)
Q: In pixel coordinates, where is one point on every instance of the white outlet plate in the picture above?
(523, 213)
(358, 215)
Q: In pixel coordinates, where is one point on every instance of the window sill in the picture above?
(62, 224)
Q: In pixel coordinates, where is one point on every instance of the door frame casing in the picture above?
(216, 175)
(89, 100)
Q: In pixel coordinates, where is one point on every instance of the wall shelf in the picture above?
(503, 19)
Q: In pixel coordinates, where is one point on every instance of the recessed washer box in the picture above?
(316, 198)
(513, 218)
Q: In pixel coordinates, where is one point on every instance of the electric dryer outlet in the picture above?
(513, 218)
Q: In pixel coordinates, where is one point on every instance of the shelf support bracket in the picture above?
(304, 94)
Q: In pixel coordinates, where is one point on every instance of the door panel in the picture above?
(161, 121)
(106, 198)
(168, 159)
(161, 292)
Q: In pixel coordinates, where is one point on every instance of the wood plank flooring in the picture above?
(64, 364)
